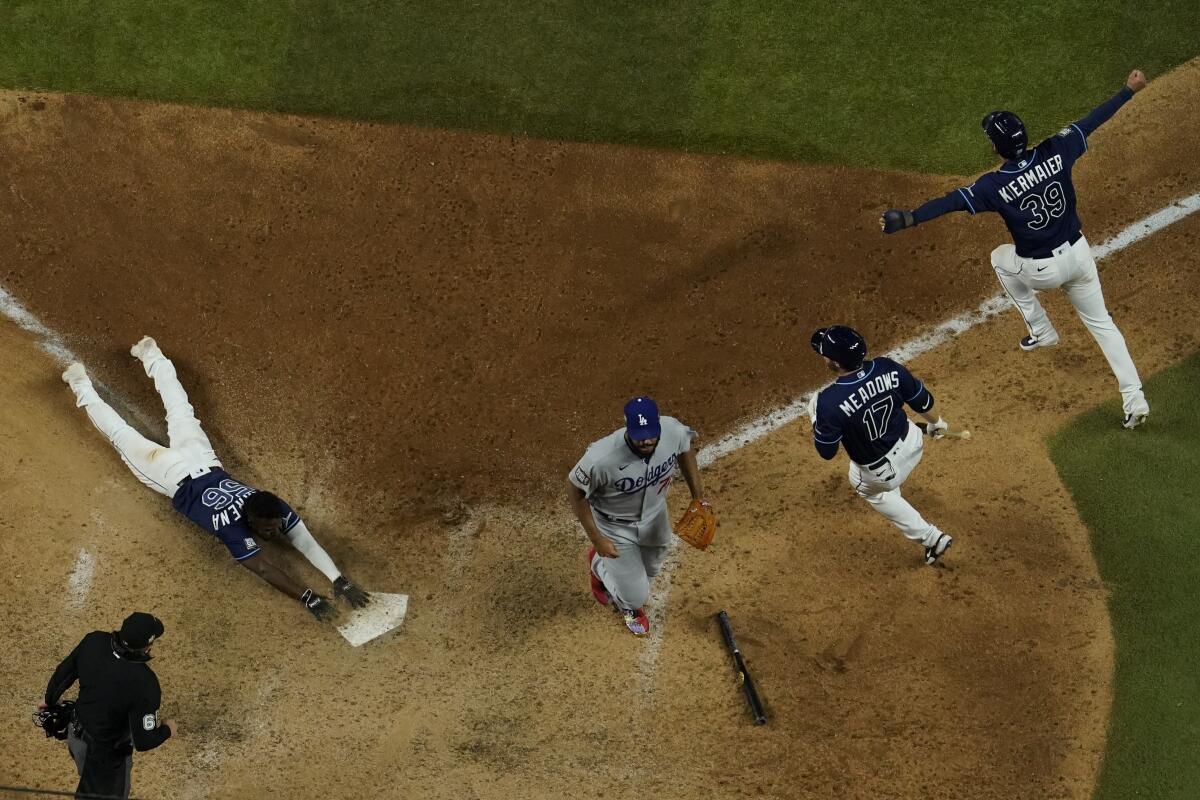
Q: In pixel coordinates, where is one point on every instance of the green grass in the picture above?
(1138, 493)
(856, 82)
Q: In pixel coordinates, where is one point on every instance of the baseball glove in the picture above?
(698, 524)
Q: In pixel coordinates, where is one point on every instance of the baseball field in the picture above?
(410, 261)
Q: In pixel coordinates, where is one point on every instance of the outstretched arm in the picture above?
(1104, 112)
(302, 539)
(896, 220)
(262, 566)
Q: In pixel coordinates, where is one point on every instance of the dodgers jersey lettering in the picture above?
(214, 502)
(1035, 195)
(865, 411)
(620, 483)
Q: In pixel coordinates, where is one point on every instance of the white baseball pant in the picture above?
(160, 468)
(1072, 268)
(880, 483)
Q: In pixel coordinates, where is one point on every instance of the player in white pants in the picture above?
(189, 452)
(862, 412)
(1071, 268)
(189, 473)
(1034, 193)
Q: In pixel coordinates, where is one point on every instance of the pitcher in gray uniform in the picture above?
(618, 491)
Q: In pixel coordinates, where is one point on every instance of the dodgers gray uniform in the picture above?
(628, 497)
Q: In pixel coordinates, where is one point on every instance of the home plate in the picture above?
(384, 613)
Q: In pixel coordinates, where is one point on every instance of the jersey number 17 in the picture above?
(876, 417)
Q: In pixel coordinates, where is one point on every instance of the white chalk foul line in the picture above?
(772, 421)
(79, 584)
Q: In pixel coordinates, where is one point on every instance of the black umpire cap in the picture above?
(140, 629)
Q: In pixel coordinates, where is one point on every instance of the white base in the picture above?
(384, 613)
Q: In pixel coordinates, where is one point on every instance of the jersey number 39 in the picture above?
(1048, 205)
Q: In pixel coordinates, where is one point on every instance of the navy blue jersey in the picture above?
(1035, 195)
(864, 412)
(214, 502)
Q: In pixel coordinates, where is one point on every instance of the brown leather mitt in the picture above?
(698, 524)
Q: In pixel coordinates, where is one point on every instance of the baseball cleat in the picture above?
(143, 347)
(598, 591)
(932, 554)
(74, 374)
(1033, 343)
(1135, 419)
(635, 620)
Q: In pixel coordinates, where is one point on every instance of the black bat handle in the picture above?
(747, 684)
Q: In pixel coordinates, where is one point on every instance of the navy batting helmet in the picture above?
(1007, 133)
(841, 344)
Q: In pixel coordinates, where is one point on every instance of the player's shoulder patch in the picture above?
(582, 477)
(149, 722)
(1065, 132)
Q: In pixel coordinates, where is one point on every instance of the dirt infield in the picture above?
(411, 334)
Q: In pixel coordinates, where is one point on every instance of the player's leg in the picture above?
(655, 543)
(885, 497)
(158, 467)
(625, 577)
(1008, 271)
(183, 429)
(1086, 294)
(100, 774)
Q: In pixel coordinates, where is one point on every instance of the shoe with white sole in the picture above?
(1135, 418)
(635, 620)
(1033, 343)
(143, 347)
(74, 374)
(932, 554)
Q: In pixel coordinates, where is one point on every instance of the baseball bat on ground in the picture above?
(743, 674)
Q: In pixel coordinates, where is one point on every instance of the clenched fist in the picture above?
(1136, 81)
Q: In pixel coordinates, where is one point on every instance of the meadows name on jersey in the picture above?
(864, 412)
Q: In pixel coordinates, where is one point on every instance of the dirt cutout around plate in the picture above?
(410, 334)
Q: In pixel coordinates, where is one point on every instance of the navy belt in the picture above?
(1048, 252)
(876, 464)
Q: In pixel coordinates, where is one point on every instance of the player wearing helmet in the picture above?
(1033, 191)
(863, 411)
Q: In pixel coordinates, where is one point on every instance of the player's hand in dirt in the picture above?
(343, 589)
(318, 606)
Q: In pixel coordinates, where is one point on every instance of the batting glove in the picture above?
(318, 606)
(896, 220)
(343, 589)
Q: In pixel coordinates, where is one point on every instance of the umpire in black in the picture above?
(117, 709)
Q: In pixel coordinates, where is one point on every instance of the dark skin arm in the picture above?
(262, 566)
(691, 473)
(583, 512)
